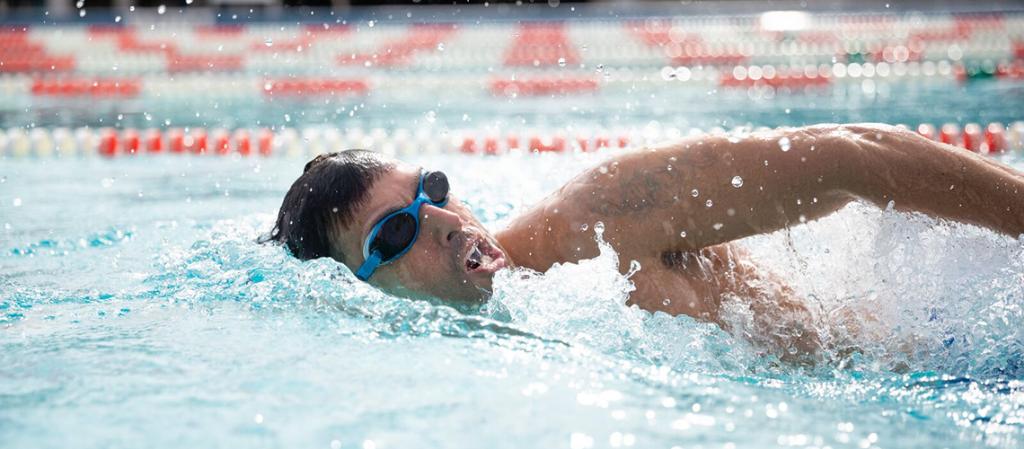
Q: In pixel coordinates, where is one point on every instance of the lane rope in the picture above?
(991, 138)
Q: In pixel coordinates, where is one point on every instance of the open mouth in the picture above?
(482, 257)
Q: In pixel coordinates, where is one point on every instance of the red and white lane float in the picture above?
(993, 138)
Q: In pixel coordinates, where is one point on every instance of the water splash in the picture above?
(922, 320)
(585, 304)
(904, 292)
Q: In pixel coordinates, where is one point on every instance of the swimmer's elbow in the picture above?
(879, 159)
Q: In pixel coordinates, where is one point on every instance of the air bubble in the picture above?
(584, 227)
(709, 203)
(599, 228)
(161, 9)
(682, 234)
(269, 42)
(666, 302)
(694, 193)
(561, 62)
(737, 182)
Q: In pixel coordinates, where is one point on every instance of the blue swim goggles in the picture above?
(395, 234)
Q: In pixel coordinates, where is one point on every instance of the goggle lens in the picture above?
(395, 235)
(435, 185)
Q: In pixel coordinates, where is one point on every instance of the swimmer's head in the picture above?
(333, 206)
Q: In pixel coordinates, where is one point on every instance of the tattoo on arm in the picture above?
(656, 187)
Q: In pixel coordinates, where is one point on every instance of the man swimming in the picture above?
(674, 208)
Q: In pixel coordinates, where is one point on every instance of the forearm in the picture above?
(712, 189)
(917, 174)
(683, 196)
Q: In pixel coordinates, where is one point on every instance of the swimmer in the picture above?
(674, 208)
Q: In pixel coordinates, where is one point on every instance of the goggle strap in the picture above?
(367, 268)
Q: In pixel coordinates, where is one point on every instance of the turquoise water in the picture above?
(136, 310)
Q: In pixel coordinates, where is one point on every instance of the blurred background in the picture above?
(485, 76)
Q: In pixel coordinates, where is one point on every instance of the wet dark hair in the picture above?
(329, 191)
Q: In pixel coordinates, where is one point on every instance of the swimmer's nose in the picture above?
(443, 224)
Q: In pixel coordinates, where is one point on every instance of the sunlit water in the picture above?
(136, 310)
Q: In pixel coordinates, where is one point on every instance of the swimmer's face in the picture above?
(443, 262)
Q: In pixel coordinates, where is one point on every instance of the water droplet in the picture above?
(370, 24)
(161, 9)
(561, 62)
(600, 68)
(287, 118)
(784, 144)
(737, 182)
(634, 267)
(79, 4)
(440, 46)
(268, 85)
(189, 2)
(709, 203)
(694, 193)
(268, 42)
(599, 228)
(682, 234)
(117, 19)
(81, 13)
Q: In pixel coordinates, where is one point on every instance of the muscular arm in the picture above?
(684, 196)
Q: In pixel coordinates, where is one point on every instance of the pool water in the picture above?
(137, 309)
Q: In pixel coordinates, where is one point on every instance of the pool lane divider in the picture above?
(781, 78)
(993, 138)
(723, 42)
